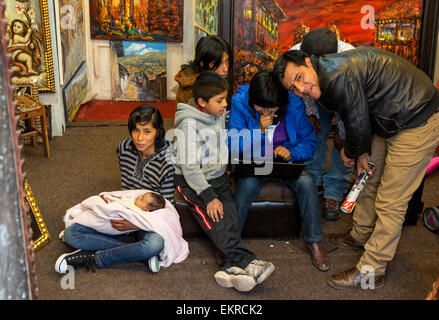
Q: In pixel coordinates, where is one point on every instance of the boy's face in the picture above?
(216, 105)
(303, 81)
(143, 201)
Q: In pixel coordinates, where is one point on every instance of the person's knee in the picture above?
(154, 241)
(72, 232)
(247, 186)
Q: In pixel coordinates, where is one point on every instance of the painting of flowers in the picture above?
(30, 43)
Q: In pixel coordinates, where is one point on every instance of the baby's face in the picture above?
(143, 201)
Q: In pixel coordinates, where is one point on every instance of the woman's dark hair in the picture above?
(295, 56)
(208, 84)
(158, 201)
(209, 49)
(266, 94)
(148, 114)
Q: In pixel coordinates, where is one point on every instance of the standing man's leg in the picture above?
(408, 155)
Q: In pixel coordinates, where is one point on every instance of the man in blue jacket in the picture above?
(257, 107)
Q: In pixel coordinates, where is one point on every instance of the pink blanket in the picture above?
(96, 213)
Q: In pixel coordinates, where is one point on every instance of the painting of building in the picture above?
(397, 29)
(137, 20)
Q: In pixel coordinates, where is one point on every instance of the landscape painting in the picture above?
(74, 92)
(71, 23)
(137, 20)
(138, 71)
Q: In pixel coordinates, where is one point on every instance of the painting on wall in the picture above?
(198, 34)
(264, 29)
(74, 92)
(30, 43)
(137, 20)
(138, 71)
(206, 15)
(71, 43)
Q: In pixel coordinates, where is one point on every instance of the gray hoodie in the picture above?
(201, 148)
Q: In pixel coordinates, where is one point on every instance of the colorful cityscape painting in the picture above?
(137, 20)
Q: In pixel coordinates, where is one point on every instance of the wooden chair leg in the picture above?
(31, 124)
(45, 135)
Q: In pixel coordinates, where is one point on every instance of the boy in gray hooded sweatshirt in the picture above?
(200, 164)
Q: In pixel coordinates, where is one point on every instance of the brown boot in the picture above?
(344, 241)
(351, 279)
(318, 255)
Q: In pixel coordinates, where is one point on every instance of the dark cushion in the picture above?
(273, 214)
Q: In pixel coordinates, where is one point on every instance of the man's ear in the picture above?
(308, 62)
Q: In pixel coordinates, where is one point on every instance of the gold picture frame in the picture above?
(30, 42)
(40, 233)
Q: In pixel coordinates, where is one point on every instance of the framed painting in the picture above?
(206, 15)
(71, 42)
(74, 92)
(138, 71)
(137, 20)
(198, 34)
(30, 42)
(261, 30)
(40, 233)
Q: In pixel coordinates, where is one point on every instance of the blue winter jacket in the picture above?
(302, 141)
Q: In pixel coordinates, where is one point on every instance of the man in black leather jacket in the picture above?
(390, 112)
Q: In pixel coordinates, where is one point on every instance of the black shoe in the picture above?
(76, 259)
(331, 209)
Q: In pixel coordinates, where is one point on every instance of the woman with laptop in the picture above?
(279, 125)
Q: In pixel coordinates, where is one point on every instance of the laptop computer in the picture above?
(274, 169)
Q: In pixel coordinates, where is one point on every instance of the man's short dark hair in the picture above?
(158, 201)
(208, 84)
(295, 56)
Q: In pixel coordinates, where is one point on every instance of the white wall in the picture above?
(98, 63)
(98, 57)
(58, 121)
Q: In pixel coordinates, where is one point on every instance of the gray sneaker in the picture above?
(235, 277)
(260, 270)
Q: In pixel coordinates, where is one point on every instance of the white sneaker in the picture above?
(260, 270)
(153, 264)
(235, 277)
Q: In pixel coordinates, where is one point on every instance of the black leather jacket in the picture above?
(375, 92)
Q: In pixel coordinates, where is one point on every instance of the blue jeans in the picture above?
(109, 249)
(247, 189)
(336, 181)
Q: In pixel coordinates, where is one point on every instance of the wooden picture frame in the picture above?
(30, 42)
(40, 233)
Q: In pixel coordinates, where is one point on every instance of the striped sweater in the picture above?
(153, 173)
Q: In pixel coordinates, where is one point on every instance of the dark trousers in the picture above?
(224, 233)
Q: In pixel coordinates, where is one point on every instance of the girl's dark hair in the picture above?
(148, 114)
(158, 201)
(208, 84)
(266, 94)
(209, 49)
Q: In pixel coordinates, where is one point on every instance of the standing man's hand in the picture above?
(348, 162)
(362, 164)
